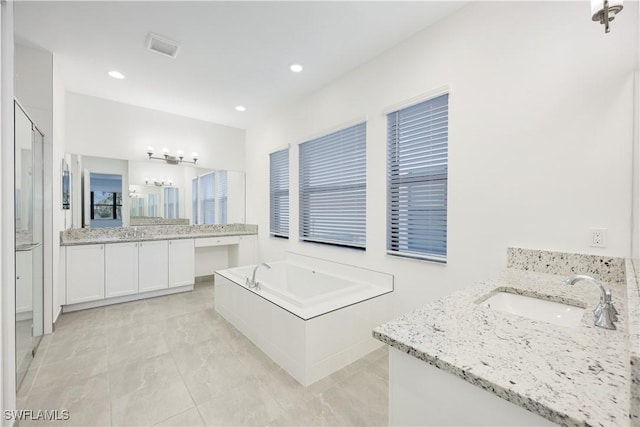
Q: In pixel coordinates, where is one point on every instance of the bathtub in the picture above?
(311, 316)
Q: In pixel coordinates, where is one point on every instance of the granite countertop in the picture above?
(573, 377)
(88, 236)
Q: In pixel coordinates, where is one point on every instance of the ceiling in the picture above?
(232, 52)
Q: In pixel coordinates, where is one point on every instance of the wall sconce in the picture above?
(605, 11)
(170, 159)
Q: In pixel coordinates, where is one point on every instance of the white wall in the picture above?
(34, 86)
(7, 225)
(540, 139)
(62, 219)
(103, 128)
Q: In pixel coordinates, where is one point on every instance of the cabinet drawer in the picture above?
(217, 241)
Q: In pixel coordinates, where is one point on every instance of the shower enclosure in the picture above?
(29, 236)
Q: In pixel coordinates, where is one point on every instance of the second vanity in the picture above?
(113, 265)
(459, 362)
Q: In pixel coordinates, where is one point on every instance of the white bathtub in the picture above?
(311, 316)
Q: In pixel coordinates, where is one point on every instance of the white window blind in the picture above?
(221, 196)
(417, 180)
(333, 188)
(194, 201)
(206, 199)
(171, 202)
(279, 193)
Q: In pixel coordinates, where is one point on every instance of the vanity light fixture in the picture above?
(170, 159)
(605, 11)
(116, 74)
(158, 183)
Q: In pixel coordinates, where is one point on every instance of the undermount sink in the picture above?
(535, 308)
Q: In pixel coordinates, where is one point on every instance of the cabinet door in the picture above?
(24, 278)
(182, 262)
(85, 273)
(153, 270)
(247, 250)
(121, 269)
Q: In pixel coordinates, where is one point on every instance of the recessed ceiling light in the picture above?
(116, 75)
(241, 108)
(296, 68)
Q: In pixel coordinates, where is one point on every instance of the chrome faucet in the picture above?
(251, 283)
(605, 312)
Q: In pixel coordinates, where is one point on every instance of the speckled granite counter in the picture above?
(87, 236)
(573, 377)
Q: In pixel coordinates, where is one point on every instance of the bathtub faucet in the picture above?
(251, 283)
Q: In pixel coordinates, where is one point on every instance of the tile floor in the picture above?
(173, 361)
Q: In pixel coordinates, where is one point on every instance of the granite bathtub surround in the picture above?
(633, 298)
(570, 376)
(605, 269)
(154, 220)
(82, 236)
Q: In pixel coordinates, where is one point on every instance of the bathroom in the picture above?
(543, 135)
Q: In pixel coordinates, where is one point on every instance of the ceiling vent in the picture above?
(162, 45)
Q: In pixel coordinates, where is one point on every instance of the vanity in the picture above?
(112, 265)
(462, 361)
(137, 229)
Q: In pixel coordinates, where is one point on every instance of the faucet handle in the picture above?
(608, 303)
(607, 317)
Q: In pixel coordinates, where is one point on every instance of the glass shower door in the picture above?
(29, 233)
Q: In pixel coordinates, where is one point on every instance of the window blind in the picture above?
(221, 196)
(279, 193)
(206, 196)
(194, 201)
(171, 202)
(417, 180)
(333, 188)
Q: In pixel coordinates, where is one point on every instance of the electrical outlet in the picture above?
(598, 237)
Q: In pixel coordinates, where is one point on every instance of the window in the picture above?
(194, 201)
(106, 205)
(221, 196)
(333, 188)
(209, 198)
(206, 197)
(171, 202)
(417, 180)
(105, 200)
(279, 193)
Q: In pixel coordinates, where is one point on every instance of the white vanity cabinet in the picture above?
(85, 273)
(244, 252)
(109, 273)
(121, 269)
(153, 268)
(182, 262)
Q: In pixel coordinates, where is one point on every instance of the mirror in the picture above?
(154, 192)
(66, 186)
